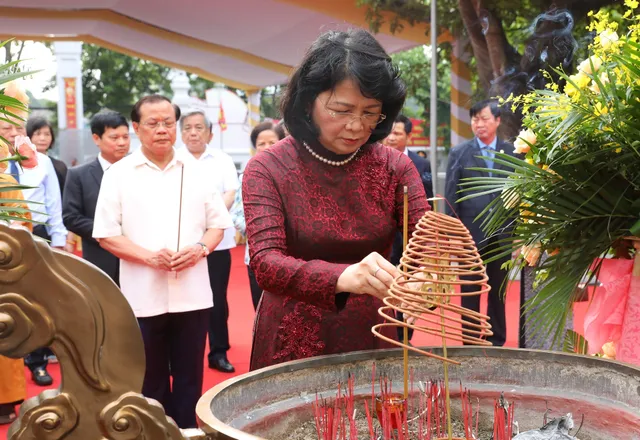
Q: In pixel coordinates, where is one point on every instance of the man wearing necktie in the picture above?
(14, 171)
(479, 152)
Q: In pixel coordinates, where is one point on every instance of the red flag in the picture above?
(221, 119)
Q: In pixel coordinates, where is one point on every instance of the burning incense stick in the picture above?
(405, 233)
(180, 210)
(444, 354)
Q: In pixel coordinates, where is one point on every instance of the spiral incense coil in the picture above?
(440, 256)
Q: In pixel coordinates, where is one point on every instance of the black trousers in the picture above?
(256, 291)
(522, 340)
(38, 358)
(174, 346)
(495, 301)
(219, 263)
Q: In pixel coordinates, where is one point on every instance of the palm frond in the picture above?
(10, 213)
(575, 343)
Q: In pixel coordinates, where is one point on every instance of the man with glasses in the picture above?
(155, 214)
(222, 176)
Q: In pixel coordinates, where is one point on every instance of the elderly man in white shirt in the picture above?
(197, 133)
(44, 194)
(46, 205)
(155, 214)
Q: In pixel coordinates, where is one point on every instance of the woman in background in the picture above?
(40, 131)
(263, 136)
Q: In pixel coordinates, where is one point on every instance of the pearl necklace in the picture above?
(335, 163)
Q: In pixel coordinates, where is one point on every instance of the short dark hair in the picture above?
(264, 126)
(281, 128)
(334, 57)
(408, 125)
(151, 99)
(35, 123)
(476, 108)
(107, 119)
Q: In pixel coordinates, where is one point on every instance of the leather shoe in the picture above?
(222, 364)
(7, 413)
(8, 418)
(41, 377)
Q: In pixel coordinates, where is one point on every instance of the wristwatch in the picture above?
(204, 248)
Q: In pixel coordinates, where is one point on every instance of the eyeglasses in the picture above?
(153, 125)
(368, 119)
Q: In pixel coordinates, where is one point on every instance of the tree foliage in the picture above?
(500, 34)
(116, 81)
(415, 66)
(12, 52)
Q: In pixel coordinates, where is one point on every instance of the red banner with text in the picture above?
(70, 102)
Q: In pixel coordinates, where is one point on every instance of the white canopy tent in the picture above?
(248, 44)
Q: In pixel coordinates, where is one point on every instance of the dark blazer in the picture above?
(461, 158)
(424, 169)
(78, 211)
(61, 172)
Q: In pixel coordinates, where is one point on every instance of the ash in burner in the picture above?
(557, 429)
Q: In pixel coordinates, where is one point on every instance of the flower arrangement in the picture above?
(576, 196)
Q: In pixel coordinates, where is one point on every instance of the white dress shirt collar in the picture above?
(104, 163)
(208, 152)
(140, 159)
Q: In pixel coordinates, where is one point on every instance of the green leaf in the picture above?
(575, 343)
(635, 229)
(13, 76)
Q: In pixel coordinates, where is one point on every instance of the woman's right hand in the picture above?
(372, 276)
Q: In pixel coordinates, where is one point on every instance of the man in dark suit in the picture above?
(110, 132)
(479, 152)
(398, 139)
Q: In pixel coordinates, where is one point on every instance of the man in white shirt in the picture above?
(46, 205)
(156, 216)
(222, 175)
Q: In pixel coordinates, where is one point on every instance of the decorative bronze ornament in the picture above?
(50, 298)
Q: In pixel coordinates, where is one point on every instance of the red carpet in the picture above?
(241, 327)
